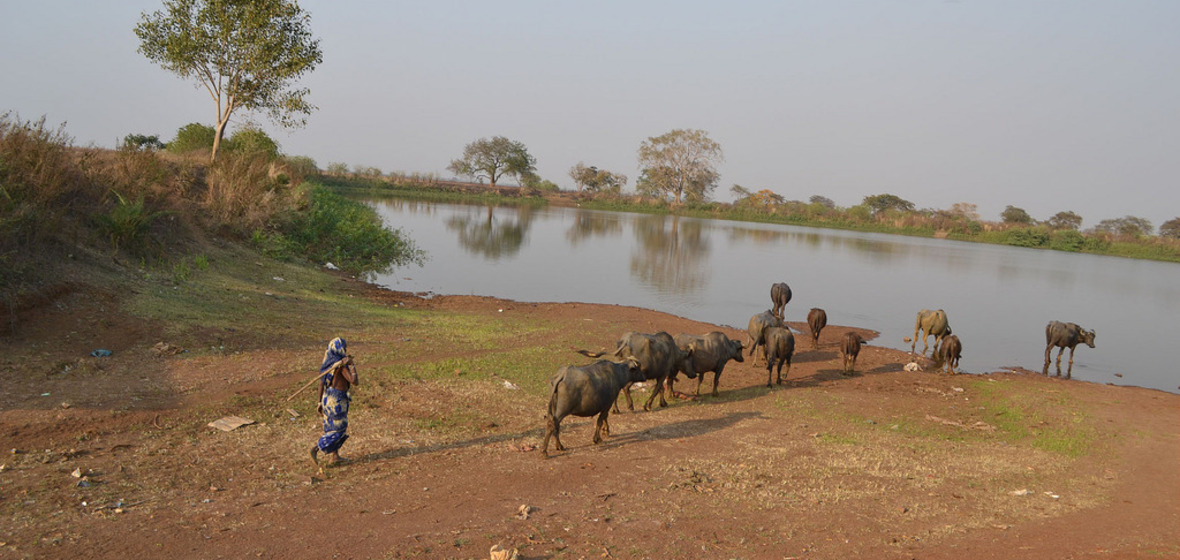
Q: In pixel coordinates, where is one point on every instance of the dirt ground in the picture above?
(111, 457)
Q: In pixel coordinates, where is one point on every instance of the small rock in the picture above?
(65, 405)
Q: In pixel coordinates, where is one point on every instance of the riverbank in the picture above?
(940, 224)
(111, 456)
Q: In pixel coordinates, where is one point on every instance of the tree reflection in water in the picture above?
(671, 255)
(490, 237)
(589, 224)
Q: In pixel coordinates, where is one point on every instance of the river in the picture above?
(998, 299)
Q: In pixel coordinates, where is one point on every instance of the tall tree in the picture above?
(1127, 225)
(1065, 220)
(882, 202)
(594, 179)
(681, 163)
(493, 158)
(1170, 229)
(247, 54)
(1015, 215)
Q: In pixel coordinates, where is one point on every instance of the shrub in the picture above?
(1067, 240)
(192, 137)
(142, 142)
(253, 141)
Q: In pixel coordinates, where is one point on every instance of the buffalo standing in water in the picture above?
(1065, 335)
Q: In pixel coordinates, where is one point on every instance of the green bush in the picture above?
(127, 223)
(343, 232)
(1067, 240)
(1027, 237)
(253, 141)
(192, 137)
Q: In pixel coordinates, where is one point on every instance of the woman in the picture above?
(337, 375)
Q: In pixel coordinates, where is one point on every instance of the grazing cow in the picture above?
(930, 323)
(849, 349)
(780, 346)
(949, 352)
(586, 391)
(1065, 335)
(817, 319)
(780, 295)
(658, 357)
(709, 353)
(758, 324)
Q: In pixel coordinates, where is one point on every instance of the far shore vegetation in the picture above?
(1124, 237)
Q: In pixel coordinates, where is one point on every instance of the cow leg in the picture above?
(627, 393)
(1048, 351)
(555, 429)
(1069, 372)
(769, 372)
(549, 431)
(1059, 353)
(600, 426)
(700, 380)
(780, 370)
(658, 390)
(716, 379)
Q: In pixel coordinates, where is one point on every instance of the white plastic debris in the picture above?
(510, 385)
(330, 266)
(913, 366)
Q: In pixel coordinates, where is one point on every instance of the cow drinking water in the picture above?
(949, 352)
(930, 323)
(1065, 335)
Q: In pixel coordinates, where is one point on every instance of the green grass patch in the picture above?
(1045, 420)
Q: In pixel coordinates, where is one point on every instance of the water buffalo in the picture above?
(780, 346)
(710, 352)
(758, 324)
(780, 295)
(586, 391)
(849, 349)
(930, 323)
(949, 352)
(658, 357)
(1065, 335)
(817, 319)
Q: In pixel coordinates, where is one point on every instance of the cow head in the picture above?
(735, 350)
(1087, 337)
(634, 370)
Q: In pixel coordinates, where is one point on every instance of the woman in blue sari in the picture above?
(337, 375)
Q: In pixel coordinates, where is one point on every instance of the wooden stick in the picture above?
(313, 380)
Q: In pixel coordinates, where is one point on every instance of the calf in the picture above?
(586, 391)
(849, 349)
(949, 352)
(758, 324)
(930, 323)
(1065, 335)
(658, 357)
(817, 319)
(780, 295)
(780, 346)
(709, 353)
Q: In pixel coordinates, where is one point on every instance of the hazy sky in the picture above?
(1045, 105)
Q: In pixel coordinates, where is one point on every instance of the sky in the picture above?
(1044, 105)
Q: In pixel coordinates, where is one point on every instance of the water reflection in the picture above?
(589, 224)
(671, 254)
(490, 237)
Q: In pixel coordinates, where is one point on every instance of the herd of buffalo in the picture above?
(593, 389)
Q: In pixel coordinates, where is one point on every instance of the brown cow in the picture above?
(817, 319)
(949, 352)
(849, 349)
(930, 323)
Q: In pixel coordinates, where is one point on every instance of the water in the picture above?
(998, 299)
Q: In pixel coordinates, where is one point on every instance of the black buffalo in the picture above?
(1065, 335)
(849, 349)
(949, 352)
(758, 324)
(586, 391)
(658, 357)
(817, 319)
(780, 295)
(710, 352)
(780, 346)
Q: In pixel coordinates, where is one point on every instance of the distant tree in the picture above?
(681, 164)
(1170, 229)
(882, 202)
(1065, 220)
(337, 168)
(965, 210)
(1127, 225)
(767, 198)
(594, 179)
(253, 140)
(822, 201)
(302, 166)
(1014, 215)
(192, 137)
(247, 54)
(142, 142)
(494, 158)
